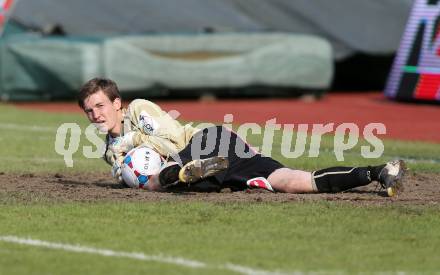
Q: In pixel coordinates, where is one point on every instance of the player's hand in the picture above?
(116, 172)
(122, 145)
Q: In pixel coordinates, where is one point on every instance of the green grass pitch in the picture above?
(226, 238)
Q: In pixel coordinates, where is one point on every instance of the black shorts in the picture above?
(244, 162)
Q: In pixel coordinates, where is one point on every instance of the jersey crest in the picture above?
(147, 123)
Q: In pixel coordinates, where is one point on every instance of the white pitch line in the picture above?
(250, 271)
(30, 128)
(32, 159)
(139, 256)
(37, 159)
(169, 260)
(24, 127)
(102, 252)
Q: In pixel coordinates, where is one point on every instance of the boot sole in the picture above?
(200, 169)
(398, 187)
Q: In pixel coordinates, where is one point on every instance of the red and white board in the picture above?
(5, 11)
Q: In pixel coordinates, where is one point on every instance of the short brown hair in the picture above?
(107, 86)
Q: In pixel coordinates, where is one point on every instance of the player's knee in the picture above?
(291, 181)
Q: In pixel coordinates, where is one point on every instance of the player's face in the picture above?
(104, 113)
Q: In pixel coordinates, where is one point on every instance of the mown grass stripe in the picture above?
(137, 256)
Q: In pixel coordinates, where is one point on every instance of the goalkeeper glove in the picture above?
(122, 145)
(116, 172)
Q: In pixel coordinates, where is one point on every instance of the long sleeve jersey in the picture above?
(153, 128)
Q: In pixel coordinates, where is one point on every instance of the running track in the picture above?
(402, 120)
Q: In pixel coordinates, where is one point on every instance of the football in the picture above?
(138, 165)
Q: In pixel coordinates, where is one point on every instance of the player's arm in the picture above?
(145, 123)
(150, 120)
(122, 145)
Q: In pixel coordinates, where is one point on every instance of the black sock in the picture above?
(375, 171)
(337, 179)
(169, 176)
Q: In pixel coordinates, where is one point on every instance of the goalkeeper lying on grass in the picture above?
(213, 157)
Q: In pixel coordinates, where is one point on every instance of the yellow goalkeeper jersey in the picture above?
(154, 128)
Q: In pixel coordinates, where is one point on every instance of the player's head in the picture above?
(95, 85)
(101, 101)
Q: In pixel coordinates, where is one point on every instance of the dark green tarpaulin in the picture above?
(35, 67)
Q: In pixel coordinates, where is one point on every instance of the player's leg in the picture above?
(202, 168)
(291, 181)
(203, 157)
(329, 180)
(173, 174)
(389, 175)
(337, 179)
(219, 153)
